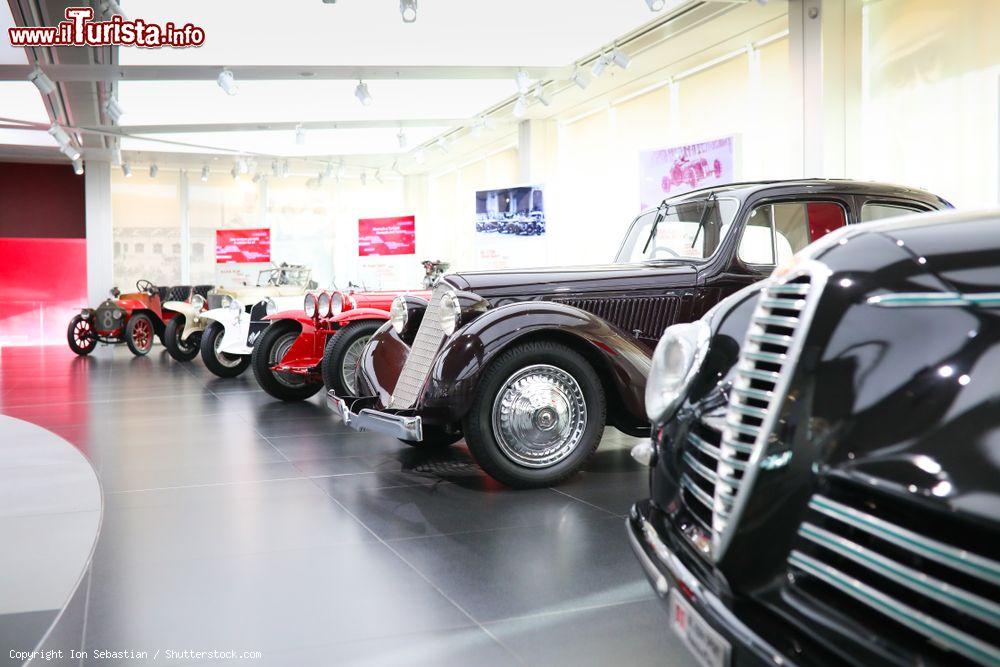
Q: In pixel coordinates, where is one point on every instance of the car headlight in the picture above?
(323, 304)
(336, 304)
(676, 360)
(118, 314)
(398, 314)
(235, 307)
(451, 312)
(226, 300)
(85, 314)
(270, 307)
(197, 302)
(309, 305)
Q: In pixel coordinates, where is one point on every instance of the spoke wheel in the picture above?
(277, 353)
(351, 356)
(81, 337)
(225, 359)
(270, 350)
(139, 334)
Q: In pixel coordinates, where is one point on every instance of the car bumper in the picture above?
(666, 571)
(366, 419)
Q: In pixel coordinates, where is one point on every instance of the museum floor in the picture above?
(235, 522)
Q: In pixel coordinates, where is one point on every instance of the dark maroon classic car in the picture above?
(529, 365)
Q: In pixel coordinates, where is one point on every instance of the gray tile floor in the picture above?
(234, 522)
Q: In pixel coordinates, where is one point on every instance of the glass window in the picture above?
(145, 210)
(158, 248)
(690, 229)
(872, 211)
(775, 232)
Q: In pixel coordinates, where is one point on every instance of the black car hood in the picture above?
(571, 280)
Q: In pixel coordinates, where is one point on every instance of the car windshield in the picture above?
(691, 230)
(283, 275)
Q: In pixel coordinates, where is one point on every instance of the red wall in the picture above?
(43, 252)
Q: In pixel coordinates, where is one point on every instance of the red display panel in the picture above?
(387, 236)
(239, 246)
(43, 283)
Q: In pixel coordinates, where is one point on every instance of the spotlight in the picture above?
(300, 135)
(361, 92)
(42, 81)
(599, 65)
(284, 168)
(59, 135)
(620, 58)
(70, 151)
(378, 175)
(242, 166)
(112, 8)
(275, 168)
(580, 79)
(364, 178)
(521, 78)
(401, 138)
(330, 170)
(116, 156)
(204, 173)
(541, 96)
(153, 170)
(408, 8)
(442, 143)
(78, 167)
(655, 5)
(113, 110)
(227, 82)
(520, 106)
(235, 173)
(127, 169)
(256, 177)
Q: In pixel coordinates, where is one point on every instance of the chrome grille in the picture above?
(425, 347)
(942, 592)
(699, 462)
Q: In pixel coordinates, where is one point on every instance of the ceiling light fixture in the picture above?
(522, 80)
(300, 135)
(330, 169)
(361, 92)
(275, 168)
(112, 8)
(364, 178)
(378, 175)
(42, 81)
(284, 169)
(235, 173)
(113, 110)
(401, 138)
(227, 82)
(59, 135)
(580, 79)
(656, 5)
(242, 166)
(599, 66)
(541, 96)
(127, 169)
(520, 106)
(442, 143)
(620, 58)
(408, 9)
(78, 167)
(153, 170)
(204, 173)
(116, 156)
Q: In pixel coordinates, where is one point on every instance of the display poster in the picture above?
(387, 236)
(242, 246)
(667, 172)
(510, 227)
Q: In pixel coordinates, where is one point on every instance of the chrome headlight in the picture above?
(336, 304)
(118, 314)
(676, 361)
(270, 307)
(398, 314)
(85, 314)
(225, 301)
(197, 302)
(323, 304)
(451, 312)
(235, 307)
(309, 305)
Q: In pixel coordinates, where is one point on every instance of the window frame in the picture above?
(766, 269)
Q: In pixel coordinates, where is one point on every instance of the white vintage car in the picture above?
(226, 313)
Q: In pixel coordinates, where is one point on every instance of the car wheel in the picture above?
(221, 364)
(179, 349)
(139, 334)
(340, 358)
(81, 336)
(537, 415)
(270, 349)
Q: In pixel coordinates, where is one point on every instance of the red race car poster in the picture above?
(239, 246)
(387, 236)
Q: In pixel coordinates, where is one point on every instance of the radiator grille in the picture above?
(647, 315)
(425, 347)
(215, 301)
(104, 316)
(939, 594)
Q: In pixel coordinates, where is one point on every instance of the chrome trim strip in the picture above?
(778, 321)
(767, 357)
(758, 394)
(952, 596)
(959, 559)
(707, 473)
(749, 411)
(791, 288)
(771, 339)
(782, 304)
(696, 491)
(703, 445)
(941, 633)
(763, 376)
(925, 299)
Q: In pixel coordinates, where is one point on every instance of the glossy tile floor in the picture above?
(235, 522)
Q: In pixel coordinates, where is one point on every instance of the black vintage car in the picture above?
(825, 481)
(528, 365)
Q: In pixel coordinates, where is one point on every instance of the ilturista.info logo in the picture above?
(80, 29)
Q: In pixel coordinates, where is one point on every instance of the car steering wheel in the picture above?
(145, 286)
(664, 248)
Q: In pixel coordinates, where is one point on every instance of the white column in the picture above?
(100, 243)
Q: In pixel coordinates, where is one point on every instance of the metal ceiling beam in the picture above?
(95, 72)
(272, 126)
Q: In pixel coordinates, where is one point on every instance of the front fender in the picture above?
(357, 314)
(620, 362)
(293, 316)
(193, 322)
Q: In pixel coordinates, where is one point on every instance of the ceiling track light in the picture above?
(256, 177)
(227, 82)
(401, 138)
(153, 170)
(620, 58)
(599, 66)
(204, 173)
(580, 79)
(70, 151)
(284, 168)
(275, 168)
(408, 10)
(522, 81)
(235, 173)
(112, 8)
(59, 135)
(442, 143)
(127, 169)
(116, 156)
(330, 170)
(541, 96)
(42, 81)
(361, 92)
(656, 5)
(300, 135)
(364, 178)
(242, 166)
(378, 175)
(78, 166)
(113, 109)
(520, 106)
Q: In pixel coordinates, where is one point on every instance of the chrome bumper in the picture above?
(398, 426)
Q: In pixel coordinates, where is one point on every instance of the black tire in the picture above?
(434, 437)
(267, 351)
(139, 334)
(335, 354)
(221, 364)
(181, 350)
(81, 337)
(478, 423)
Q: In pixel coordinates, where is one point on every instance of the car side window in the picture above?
(880, 211)
(775, 232)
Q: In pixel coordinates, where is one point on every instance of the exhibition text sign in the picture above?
(239, 246)
(387, 236)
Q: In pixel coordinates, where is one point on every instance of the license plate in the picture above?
(707, 645)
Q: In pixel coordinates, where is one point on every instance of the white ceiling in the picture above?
(8, 54)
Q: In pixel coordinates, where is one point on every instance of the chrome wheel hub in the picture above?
(227, 360)
(539, 416)
(350, 363)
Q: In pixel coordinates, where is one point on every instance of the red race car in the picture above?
(300, 351)
(132, 318)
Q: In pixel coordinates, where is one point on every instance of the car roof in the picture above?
(819, 185)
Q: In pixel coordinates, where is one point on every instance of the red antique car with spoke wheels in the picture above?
(301, 350)
(134, 319)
